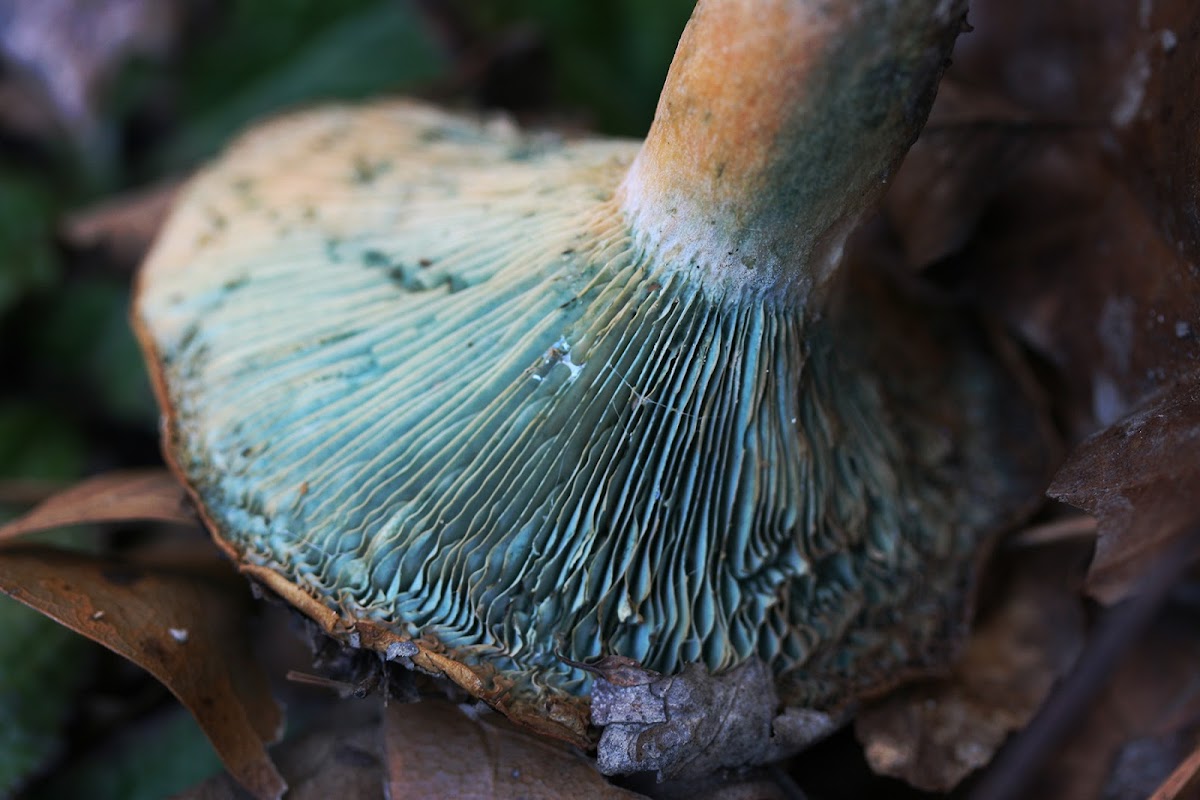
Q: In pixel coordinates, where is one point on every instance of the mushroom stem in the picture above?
(779, 125)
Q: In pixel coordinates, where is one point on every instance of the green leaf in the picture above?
(37, 444)
(156, 758)
(85, 334)
(40, 666)
(27, 261)
(41, 662)
(383, 48)
(610, 58)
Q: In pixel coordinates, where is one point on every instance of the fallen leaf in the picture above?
(151, 494)
(1140, 478)
(934, 734)
(1066, 60)
(1075, 218)
(132, 610)
(435, 749)
(933, 211)
(1160, 152)
(1054, 166)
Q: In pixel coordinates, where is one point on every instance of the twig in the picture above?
(1183, 782)
(1072, 528)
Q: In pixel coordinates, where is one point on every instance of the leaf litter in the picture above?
(183, 623)
(1050, 199)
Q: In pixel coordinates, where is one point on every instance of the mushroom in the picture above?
(497, 405)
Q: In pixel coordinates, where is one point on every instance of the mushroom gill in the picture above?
(526, 401)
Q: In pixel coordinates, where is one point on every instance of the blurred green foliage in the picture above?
(161, 756)
(74, 397)
(608, 57)
(292, 52)
(27, 259)
(41, 669)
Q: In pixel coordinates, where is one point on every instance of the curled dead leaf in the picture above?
(1081, 230)
(151, 494)
(1059, 201)
(138, 612)
(1140, 477)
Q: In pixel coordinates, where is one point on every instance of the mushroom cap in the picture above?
(425, 380)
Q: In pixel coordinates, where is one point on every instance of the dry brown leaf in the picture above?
(1065, 60)
(934, 734)
(185, 628)
(148, 494)
(1081, 230)
(932, 209)
(1140, 477)
(1065, 253)
(1062, 176)
(435, 749)
(26, 492)
(123, 226)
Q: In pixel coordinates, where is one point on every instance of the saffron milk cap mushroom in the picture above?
(499, 404)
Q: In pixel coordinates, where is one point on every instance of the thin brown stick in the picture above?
(309, 679)
(1184, 782)
(1075, 527)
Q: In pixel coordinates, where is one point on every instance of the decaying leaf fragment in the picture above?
(340, 756)
(1071, 136)
(692, 724)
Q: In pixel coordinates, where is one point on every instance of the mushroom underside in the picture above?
(422, 368)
